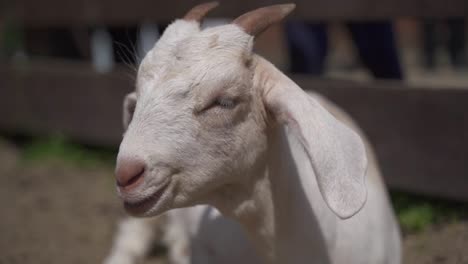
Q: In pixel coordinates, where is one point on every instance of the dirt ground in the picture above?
(56, 213)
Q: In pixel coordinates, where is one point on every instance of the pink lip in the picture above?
(140, 207)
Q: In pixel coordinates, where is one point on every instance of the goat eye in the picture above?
(220, 104)
(225, 103)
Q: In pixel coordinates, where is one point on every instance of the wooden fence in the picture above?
(420, 134)
(120, 12)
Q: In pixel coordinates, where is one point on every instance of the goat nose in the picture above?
(129, 173)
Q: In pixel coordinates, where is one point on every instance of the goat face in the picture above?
(195, 124)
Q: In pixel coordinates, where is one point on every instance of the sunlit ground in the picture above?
(59, 206)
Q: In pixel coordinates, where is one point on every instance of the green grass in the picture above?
(416, 213)
(58, 148)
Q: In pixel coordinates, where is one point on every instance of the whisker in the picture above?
(125, 57)
(133, 50)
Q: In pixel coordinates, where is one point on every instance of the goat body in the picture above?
(212, 123)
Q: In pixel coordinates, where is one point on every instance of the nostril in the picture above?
(129, 172)
(131, 180)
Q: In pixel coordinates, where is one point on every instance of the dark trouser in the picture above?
(375, 42)
(456, 41)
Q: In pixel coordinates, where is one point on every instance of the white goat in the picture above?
(212, 123)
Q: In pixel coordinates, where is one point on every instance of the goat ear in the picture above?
(129, 104)
(258, 20)
(336, 153)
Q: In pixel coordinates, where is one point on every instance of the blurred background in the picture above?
(399, 67)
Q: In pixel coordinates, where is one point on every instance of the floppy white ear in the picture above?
(129, 104)
(337, 154)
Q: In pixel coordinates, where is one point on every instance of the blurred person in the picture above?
(455, 42)
(375, 43)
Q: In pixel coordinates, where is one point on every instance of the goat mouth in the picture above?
(140, 207)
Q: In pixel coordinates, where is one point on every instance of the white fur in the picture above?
(133, 240)
(289, 167)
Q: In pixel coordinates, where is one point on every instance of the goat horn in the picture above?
(198, 12)
(258, 20)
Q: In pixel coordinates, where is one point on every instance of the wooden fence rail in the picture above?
(123, 12)
(420, 135)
